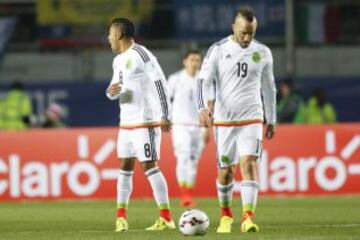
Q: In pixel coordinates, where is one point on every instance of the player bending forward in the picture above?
(138, 84)
(243, 69)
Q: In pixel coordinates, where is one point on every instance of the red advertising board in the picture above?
(82, 163)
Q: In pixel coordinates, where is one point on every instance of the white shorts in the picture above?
(234, 142)
(142, 143)
(188, 142)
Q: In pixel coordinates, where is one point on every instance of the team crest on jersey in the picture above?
(256, 57)
(225, 159)
(128, 64)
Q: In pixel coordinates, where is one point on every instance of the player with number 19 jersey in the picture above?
(242, 75)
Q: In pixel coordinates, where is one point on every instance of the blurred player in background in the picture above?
(138, 83)
(243, 69)
(188, 136)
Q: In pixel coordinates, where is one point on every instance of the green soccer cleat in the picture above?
(247, 225)
(162, 224)
(225, 225)
(121, 225)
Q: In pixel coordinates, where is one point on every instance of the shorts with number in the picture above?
(188, 142)
(142, 143)
(234, 142)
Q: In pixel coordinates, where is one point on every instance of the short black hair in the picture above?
(288, 82)
(191, 51)
(17, 85)
(246, 12)
(126, 27)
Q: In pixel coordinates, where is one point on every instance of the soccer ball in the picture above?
(194, 222)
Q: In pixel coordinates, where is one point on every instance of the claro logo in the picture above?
(286, 174)
(39, 179)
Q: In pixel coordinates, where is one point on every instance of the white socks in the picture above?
(124, 188)
(249, 193)
(186, 172)
(159, 187)
(225, 194)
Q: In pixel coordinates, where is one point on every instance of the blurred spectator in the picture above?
(290, 108)
(1, 114)
(54, 116)
(16, 108)
(318, 110)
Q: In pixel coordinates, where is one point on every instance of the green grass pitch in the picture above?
(319, 218)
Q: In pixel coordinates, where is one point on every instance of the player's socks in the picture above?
(191, 173)
(124, 189)
(249, 193)
(181, 174)
(121, 212)
(165, 213)
(160, 191)
(186, 197)
(225, 194)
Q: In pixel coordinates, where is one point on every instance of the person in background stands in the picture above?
(16, 108)
(318, 110)
(290, 108)
(54, 116)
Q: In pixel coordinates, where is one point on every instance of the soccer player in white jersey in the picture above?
(188, 136)
(138, 83)
(243, 69)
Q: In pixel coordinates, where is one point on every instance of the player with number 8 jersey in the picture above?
(139, 84)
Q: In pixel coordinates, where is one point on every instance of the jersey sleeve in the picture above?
(211, 93)
(154, 72)
(114, 79)
(268, 89)
(207, 74)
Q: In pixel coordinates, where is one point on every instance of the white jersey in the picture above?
(242, 75)
(182, 91)
(143, 98)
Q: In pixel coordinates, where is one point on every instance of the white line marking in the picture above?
(351, 147)
(330, 142)
(354, 169)
(104, 151)
(347, 225)
(83, 147)
(110, 173)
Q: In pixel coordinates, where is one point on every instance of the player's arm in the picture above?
(211, 97)
(207, 74)
(210, 105)
(154, 72)
(268, 90)
(113, 90)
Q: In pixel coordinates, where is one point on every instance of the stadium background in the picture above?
(59, 50)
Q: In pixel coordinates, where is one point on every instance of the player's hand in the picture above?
(270, 131)
(206, 135)
(114, 89)
(206, 118)
(165, 125)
